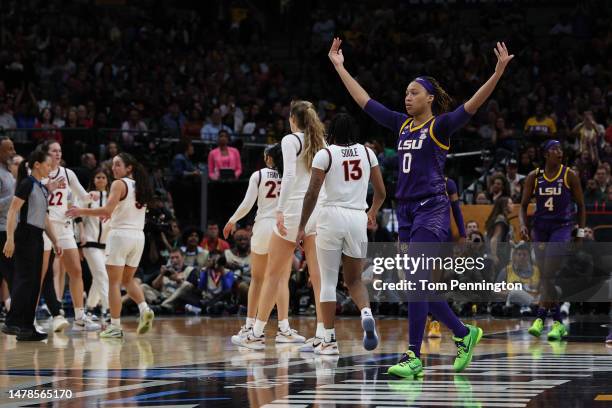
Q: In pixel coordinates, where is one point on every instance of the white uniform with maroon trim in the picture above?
(58, 205)
(264, 188)
(296, 177)
(342, 222)
(126, 240)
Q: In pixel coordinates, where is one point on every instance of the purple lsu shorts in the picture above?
(432, 214)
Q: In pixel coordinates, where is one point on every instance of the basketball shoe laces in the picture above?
(461, 347)
(407, 359)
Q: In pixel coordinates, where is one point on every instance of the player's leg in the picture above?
(98, 293)
(59, 278)
(135, 292)
(47, 290)
(258, 270)
(352, 269)
(279, 260)
(115, 275)
(310, 250)
(410, 365)
(329, 264)
(354, 250)
(555, 255)
(72, 262)
(285, 333)
(540, 235)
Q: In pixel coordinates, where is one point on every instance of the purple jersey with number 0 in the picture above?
(421, 149)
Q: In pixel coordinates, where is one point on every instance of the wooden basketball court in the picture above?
(190, 362)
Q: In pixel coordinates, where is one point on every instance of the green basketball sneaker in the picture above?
(536, 328)
(557, 332)
(465, 347)
(409, 366)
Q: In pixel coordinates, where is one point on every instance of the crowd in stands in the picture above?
(220, 78)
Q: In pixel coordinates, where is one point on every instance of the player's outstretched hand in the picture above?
(73, 212)
(501, 52)
(228, 229)
(335, 53)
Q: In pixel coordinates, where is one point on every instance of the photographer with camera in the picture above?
(168, 286)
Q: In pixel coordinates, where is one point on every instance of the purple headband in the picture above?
(426, 84)
(550, 144)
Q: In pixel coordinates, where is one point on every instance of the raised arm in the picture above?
(528, 187)
(357, 92)
(476, 101)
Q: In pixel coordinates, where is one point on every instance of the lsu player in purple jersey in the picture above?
(554, 188)
(422, 204)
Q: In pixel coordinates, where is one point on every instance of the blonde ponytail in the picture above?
(307, 119)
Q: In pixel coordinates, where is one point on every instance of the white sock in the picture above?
(116, 322)
(283, 325)
(258, 328)
(320, 330)
(366, 312)
(143, 307)
(7, 304)
(250, 321)
(78, 313)
(330, 334)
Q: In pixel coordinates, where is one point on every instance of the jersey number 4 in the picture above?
(273, 188)
(549, 204)
(57, 197)
(354, 172)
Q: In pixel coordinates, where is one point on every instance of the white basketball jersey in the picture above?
(60, 198)
(267, 193)
(94, 229)
(128, 215)
(348, 175)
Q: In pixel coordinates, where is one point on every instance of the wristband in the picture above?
(580, 233)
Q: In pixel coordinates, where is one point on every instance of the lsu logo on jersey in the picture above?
(549, 191)
(410, 144)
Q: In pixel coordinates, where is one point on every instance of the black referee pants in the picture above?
(6, 264)
(48, 289)
(26, 281)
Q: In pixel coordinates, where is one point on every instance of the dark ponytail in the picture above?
(37, 156)
(442, 100)
(144, 190)
(276, 153)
